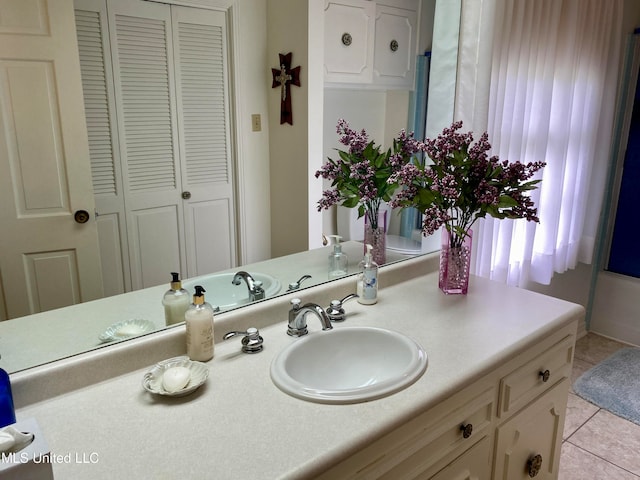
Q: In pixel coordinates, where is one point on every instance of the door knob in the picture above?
(81, 216)
(186, 195)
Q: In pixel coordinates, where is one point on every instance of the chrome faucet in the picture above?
(256, 292)
(298, 317)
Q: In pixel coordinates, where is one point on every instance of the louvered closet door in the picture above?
(207, 174)
(144, 90)
(99, 104)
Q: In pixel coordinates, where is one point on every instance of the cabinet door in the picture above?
(475, 464)
(395, 46)
(533, 436)
(348, 40)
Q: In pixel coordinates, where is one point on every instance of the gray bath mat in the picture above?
(614, 384)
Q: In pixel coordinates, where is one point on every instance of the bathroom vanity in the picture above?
(491, 403)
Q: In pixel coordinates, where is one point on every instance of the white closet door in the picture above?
(143, 63)
(99, 104)
(47, 260)
(200, 48)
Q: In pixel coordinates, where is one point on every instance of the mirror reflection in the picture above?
(147, 141)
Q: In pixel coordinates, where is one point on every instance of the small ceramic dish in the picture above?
(152, 380)
(127, 329)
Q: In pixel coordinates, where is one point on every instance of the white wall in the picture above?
(253, 147)
(288, 144)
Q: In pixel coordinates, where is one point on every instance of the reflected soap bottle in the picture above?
(199, 324)
(338, 260)
(175, 301)
(7, 411)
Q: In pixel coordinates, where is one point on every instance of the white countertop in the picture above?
(240, 425)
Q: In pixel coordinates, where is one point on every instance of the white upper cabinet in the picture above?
(371, 43)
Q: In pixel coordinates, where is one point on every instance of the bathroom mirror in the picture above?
(39, 345)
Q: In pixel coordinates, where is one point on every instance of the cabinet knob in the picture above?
(346, 39)
(467, 430)
(545, 375)
(394, 45)
(534, 464)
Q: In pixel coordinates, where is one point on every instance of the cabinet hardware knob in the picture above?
(81, 216)
(534, 464)
(545, 375)
(346, 39)
(186, 195)
(466, 430)
(393, 45)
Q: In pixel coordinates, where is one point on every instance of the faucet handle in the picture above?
(336, 311)
(251, 342)
(295, 303)
(296, 285)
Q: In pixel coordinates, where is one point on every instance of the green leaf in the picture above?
(507, 202)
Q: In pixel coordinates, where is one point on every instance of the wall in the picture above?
(288, 144)
(250, 92)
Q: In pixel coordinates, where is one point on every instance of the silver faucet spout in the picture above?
(256, 292)
(298, 317)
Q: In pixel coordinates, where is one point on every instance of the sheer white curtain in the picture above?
(552, 97)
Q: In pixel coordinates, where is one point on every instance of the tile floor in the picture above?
(597, 444)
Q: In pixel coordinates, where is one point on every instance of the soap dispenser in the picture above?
(199, 323)
(367, 286)
(175, 301)
(338, 261)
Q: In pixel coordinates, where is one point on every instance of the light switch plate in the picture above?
(256, 122)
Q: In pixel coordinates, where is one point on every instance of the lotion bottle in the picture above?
(175, 301)
(367, 286)
(199, 324)
(338, 261)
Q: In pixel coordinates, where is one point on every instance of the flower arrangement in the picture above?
(363, 175)
(464, 184)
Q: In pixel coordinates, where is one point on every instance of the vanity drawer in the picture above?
(416, 446)
(527, 382)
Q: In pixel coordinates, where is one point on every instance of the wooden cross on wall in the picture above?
(284, 78)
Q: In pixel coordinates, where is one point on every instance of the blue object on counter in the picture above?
(7, 412)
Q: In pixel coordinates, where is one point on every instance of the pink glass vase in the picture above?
(376, 236)
(455, 262)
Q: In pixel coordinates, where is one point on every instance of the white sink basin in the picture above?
(221, 292)
(348, 365)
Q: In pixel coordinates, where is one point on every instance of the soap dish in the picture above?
(152, 381)
(127, 329)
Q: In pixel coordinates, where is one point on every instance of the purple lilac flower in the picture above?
(329, 198)
(356, 142)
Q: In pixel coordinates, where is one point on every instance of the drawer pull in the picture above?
(545, 375)
(466, 430)
(534, 464)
